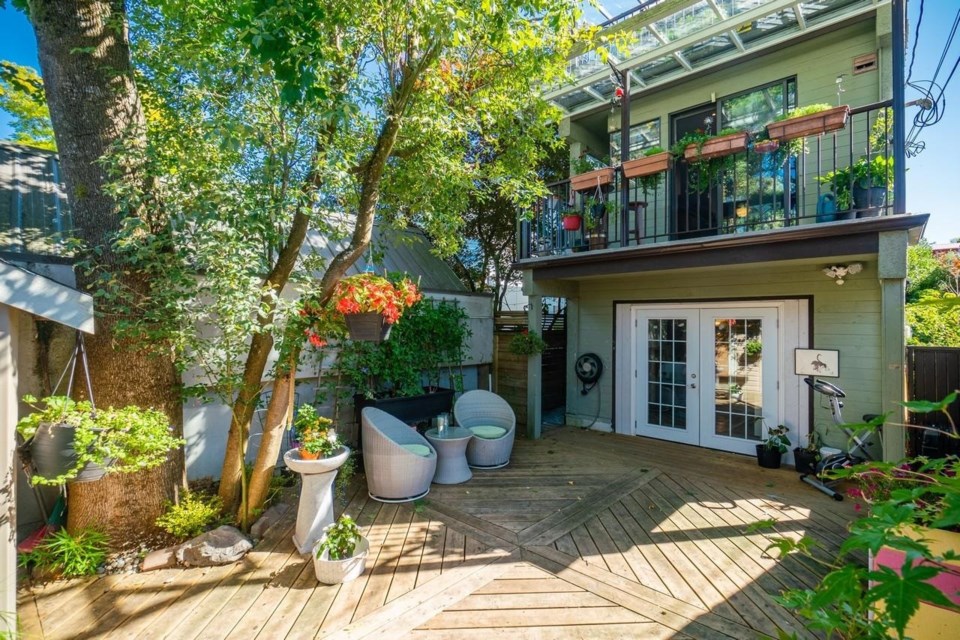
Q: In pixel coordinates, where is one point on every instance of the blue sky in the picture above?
(928, 174)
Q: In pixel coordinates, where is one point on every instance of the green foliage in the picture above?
(315, 433)
(340, 539)
(934, 319)
(22, 97)
(777, 438)
(924, 270)
(195, 513)
(430, 337)
(865, 173)
(121, 440)
(856, 602)
(808, 110)
(527, 343)
(70, 556)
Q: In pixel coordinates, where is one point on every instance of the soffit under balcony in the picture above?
(668, 40)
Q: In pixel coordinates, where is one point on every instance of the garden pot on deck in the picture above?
(768, 458)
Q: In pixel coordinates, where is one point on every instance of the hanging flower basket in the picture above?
(365, 306)
(367, 327)
(809, 125)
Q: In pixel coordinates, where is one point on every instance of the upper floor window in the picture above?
(751, 110)
(643, 136)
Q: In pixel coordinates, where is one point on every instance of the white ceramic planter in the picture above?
(315, 510)
(337, 571)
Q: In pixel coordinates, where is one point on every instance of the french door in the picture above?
(706, 376)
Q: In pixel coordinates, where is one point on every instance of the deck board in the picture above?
(583, 535)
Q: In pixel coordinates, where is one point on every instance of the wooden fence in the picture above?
(510, 370)
(932, 374)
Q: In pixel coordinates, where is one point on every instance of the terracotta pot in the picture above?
(766, 146)
(810, 125)
(717, 147)
(648, 166)
(592, 179)
(308, 455)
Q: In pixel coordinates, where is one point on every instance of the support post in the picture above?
(534, 368)
(892, 272)
(899, 8)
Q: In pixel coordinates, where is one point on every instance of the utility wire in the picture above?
(916, 39)
(933, 94)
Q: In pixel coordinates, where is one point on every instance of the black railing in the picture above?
(837, 176)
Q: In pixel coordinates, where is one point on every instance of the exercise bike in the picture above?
(858, 451)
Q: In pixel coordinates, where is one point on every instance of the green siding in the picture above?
(846, 318)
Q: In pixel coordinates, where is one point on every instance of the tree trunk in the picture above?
(85, 61)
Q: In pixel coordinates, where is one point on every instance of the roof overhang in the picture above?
(41, 296)
(673, 40)
(825, 240)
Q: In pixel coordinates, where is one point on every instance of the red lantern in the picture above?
(618, 93)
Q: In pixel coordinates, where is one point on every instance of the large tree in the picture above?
(94, 106)
(265, 117)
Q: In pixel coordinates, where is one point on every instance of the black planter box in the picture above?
(768, 458)
(412, 409)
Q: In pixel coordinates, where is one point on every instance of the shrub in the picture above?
(70, 556)
(194, 515)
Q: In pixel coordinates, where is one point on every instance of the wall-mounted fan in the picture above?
(588, 368)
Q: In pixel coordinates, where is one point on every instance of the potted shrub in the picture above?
(807, 457)
(341, 554)
(773, 447)
(814, 119)
(70, 441)
(369, 305)
(871, 179)
(315, 434)
(840, 182)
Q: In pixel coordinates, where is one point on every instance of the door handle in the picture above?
(693, 385)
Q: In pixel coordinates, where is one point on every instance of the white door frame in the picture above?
(794, 332)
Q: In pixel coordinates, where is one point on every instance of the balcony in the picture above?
(812, 180)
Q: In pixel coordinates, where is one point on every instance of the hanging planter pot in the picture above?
(571, 222)
(53, 454)
(367, 327)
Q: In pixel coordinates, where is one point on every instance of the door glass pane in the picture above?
(666, 390)
(738, 385)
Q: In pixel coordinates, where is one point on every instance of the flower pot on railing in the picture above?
(571, 222)
(648, 166)
(598, 178)
(869, 200)
(809, 125)
(717, 147)
(367, 327)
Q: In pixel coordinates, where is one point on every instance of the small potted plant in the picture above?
(773, 447)
(571, 219)
(315, 434)
(341, 554)
(871, 180)
(807, 457)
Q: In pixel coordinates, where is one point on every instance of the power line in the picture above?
(916, 39)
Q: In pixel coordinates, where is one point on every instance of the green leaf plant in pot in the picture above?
(872, 178)
(341, 554)
(911, 532)
(806, 457)
(773, 447)
(69, 441)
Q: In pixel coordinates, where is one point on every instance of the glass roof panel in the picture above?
(779, 22)
(574, 99)
(818, 10)
(686, 21)
(657, 69)
(703, 51)
(604, 87)
(585, 64)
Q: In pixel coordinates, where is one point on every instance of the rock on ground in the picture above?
(222, 545)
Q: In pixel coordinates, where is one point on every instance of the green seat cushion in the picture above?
(488, 432)
(421, 450)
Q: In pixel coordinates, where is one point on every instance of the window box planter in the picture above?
(648, 166)
(592, 179)
(717, 147)
(810, 125)
(410, 409)
(766, 146)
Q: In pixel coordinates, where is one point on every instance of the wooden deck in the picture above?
(583, 535)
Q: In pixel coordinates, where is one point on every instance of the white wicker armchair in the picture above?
(493, 424)
(399, 463)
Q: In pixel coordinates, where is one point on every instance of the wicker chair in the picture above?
(398, 461)
(493, 424)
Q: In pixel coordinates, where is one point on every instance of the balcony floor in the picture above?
(582, 535)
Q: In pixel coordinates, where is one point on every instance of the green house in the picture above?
(711, 286)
